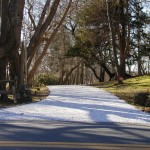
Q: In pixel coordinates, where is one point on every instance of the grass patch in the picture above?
(127, 90)
(37, 94)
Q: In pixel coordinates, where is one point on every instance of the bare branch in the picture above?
(35, 40)
(38, 61)
(47, 4)
(30, 16)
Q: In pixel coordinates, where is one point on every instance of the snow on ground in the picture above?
(77, 103)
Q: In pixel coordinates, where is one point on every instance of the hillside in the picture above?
(128, 90)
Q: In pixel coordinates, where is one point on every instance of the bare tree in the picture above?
(48, 25)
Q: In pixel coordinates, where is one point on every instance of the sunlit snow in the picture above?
(79, 104)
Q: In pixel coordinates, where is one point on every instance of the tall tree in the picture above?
(48, 25)
(113, 39)
(11, 23)
(42, 31)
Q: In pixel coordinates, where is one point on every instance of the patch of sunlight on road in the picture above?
(123, 119)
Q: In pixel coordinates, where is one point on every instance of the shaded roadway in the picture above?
(42, 135)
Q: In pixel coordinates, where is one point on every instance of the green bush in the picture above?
(45, 79)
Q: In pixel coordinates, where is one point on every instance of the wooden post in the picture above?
(14, 94)
(13, 90)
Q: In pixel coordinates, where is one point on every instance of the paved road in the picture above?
(31, 135)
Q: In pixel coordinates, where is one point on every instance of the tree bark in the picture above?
(3, 77)
(95, 74)
(12, 15)
(70, 72)
(113, 39)
(111, 75)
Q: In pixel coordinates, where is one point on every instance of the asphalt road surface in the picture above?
(39, 135)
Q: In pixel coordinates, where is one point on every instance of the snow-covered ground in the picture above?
(77, 103)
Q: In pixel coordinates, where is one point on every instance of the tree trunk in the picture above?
(102, 74)
(40, 30)
(82, 73)
(77, 75)
(69, 74)
(39, 59)
(111, 75)
(12, 15)
(3, 77)
(113, 40)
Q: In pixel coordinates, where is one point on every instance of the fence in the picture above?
(12, 90)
